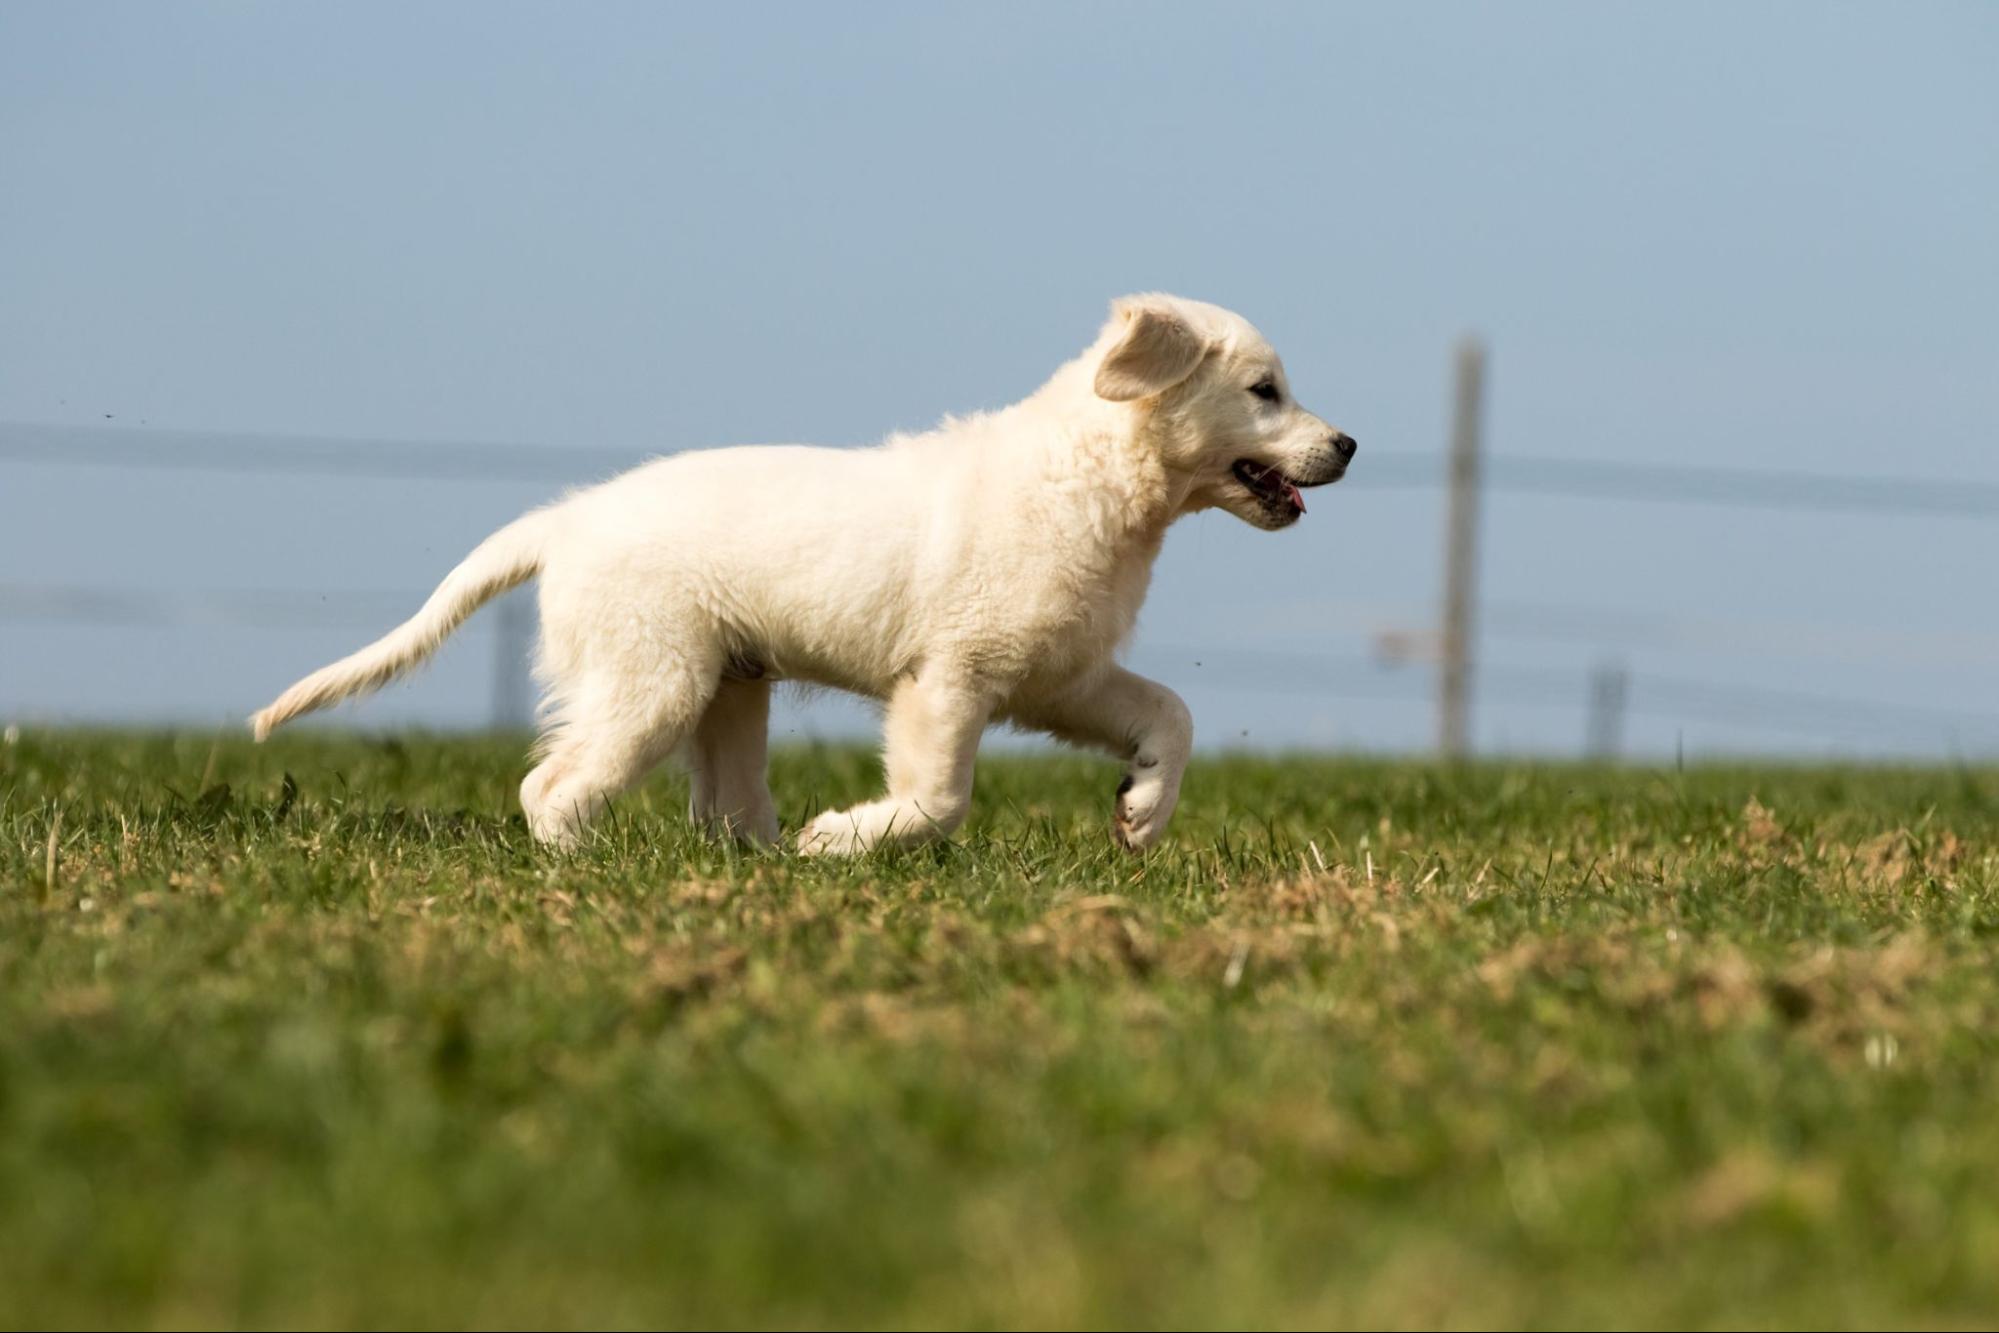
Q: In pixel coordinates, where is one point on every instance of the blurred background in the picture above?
(296, 304)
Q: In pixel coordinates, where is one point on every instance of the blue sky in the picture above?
(1750, 235)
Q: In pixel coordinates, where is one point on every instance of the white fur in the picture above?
(985, 571)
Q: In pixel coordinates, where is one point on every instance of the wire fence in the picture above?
(1267, 671)
(1658, 483)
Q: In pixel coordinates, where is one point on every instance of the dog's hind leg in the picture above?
(1139, 721)
(729, 753)
(931, 738)
(612, 730)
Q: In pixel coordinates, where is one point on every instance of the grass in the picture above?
(1366, 1043)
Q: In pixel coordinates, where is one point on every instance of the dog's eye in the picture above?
(1266, 390)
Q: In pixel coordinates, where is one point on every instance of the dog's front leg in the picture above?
(931, 736)
(1139, 721)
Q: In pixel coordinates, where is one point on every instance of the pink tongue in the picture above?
(1296, 498)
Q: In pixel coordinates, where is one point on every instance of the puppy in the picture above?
(986, 571)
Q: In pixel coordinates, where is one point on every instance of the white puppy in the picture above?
(985, 571)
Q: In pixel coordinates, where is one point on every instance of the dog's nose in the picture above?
(1344, 446)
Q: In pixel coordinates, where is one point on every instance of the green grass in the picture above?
(1365, 1043)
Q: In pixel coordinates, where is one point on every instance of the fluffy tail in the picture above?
(504, 560)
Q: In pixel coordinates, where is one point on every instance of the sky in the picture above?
(1737, 235)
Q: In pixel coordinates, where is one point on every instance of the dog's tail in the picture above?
(508, 558)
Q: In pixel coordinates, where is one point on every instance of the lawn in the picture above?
(312, 1034)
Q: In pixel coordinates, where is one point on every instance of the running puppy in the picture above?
(983, 572)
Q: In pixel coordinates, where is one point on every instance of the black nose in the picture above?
(1344, 446)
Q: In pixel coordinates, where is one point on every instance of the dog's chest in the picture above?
(1077, 619)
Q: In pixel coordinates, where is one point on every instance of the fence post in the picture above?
(1608, 686)
(513, 692)
(1461, 553)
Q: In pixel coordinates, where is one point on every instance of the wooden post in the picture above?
(513, 692)
(1608, 686)
(1454, 687)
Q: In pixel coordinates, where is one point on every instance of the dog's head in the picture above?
(1214, 396)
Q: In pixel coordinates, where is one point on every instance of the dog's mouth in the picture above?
(1277, 492)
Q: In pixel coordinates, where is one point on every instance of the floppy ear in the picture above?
(1157, 349)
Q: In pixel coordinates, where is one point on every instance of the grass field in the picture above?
(1365, 1043)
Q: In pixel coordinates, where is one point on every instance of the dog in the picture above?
(983, 572)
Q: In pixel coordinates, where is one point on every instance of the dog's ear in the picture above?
(1155, 350)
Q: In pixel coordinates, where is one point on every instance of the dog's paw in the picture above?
(834, 833)
(1144, 805)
